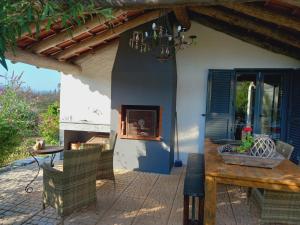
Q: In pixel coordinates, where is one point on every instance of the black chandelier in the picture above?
(160, 39)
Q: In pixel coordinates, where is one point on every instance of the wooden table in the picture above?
(48, 150)
(285, 177)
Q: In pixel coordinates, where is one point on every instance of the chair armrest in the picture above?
(51, 176)
(46, 167)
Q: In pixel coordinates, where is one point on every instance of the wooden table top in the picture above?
(47, 150)
(286, 173)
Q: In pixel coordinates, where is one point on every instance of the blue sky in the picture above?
(36, 79)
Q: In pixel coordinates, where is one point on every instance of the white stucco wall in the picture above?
(214, 50)
(86, 97)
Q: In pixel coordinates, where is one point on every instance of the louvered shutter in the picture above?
(219, 115)
(294, 117)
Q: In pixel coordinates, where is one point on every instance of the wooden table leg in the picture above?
(201, 210)
(210, 203)
(186, 203)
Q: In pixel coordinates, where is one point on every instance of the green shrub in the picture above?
(49, 125)
(17, 122)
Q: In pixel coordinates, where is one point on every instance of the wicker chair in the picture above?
(284, 149)
(75, 186)
(278, 206)
(105, 165)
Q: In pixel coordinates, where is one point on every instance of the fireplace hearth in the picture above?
(140, 122)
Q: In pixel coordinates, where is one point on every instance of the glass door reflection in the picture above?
(258, 103)
(270, 105)
(245, 95)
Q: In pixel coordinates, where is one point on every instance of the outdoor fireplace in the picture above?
(74, 136)
(143, 103)
(140, 122)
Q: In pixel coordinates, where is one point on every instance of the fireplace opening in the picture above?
(141, 122)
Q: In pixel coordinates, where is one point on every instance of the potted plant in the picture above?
(256, 151)
(247, 140)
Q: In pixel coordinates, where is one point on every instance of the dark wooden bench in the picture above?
(194, 189)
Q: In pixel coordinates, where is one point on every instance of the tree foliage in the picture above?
(49, 125)
(17, 120)
(242, 98)
(18, 16)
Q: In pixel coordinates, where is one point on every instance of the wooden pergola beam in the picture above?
(266, 15)
(291, 2)
(249, 24)
(99, 50)
(241, 34)
(182, 16)
(20, 55)
(157, 3)
(108, 34)
(68, 35)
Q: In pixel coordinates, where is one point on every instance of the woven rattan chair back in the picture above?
(79, 162)
(284, 149)
(106, 163)
(75, 186)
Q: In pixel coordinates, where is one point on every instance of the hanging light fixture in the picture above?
(160, 40)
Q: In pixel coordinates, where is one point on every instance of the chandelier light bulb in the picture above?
(167, 51)
(153, 26)
(160, 39)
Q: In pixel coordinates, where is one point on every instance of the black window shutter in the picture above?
(294, 117)
(219, 114)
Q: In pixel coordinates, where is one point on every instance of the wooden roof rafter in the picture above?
(240, 21)
(264, 14)
(146, 4)
(68, 35)
(243, 34)
(271, 24)
(147, 17)
(182, 16)
(20, 55)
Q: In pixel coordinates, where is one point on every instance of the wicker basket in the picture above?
(248, 160)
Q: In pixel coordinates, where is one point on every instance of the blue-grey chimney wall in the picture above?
(140, 79)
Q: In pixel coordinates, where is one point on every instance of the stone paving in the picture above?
(136, 199)
(19, 207)
(118, 204)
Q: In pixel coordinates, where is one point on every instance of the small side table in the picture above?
(46, 151)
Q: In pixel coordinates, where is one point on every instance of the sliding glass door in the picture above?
(266, 100)
(259, 102)
(270, 105)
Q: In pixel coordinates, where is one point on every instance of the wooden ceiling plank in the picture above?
(20, 55)
(266, 15)
(158, 3)
(249, 24)
(291, 2)
(68, 35)
(99, 50)
(241, 35)
(108, 34)
(182, 16)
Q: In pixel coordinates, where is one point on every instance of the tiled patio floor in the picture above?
(138, 199)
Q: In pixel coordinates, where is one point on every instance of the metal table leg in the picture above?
(28, 187)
